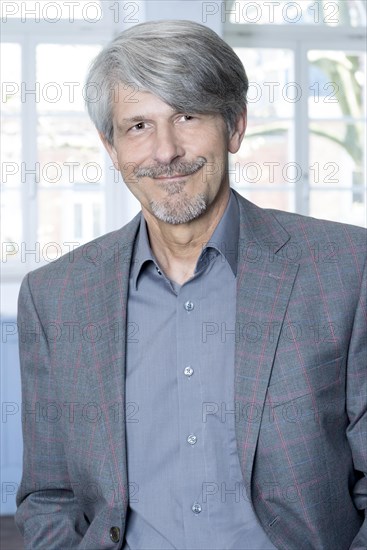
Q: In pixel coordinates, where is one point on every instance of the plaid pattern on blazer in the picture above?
(300, 386)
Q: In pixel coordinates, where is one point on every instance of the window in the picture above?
(304, 150)
(52, 156)
(54, 169)
(305, 144)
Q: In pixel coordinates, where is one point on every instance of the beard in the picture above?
(177, 207)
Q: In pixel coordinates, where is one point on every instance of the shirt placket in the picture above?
(191, 394)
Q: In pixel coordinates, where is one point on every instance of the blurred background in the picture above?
(304, 150)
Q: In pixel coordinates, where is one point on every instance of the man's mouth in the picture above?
(174, 177)
(170, 172)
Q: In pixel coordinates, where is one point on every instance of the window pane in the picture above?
(337, 206)
(11, 151)
(61, 73)
(351, 13)
(10, 78)
(336, 154)
(263, 170)
(69, 151)
(10, 112)
(263, 158)
(336, 84)
(272, 91)
(11, 225)
(337, 135)
(67, 217)
(281, 200)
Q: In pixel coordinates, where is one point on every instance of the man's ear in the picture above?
(110, 150)
(238, 133)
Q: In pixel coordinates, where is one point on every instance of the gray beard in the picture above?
(178, 207)
(182, 209)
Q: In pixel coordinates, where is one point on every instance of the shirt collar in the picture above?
(142, 252)
(224, 240)
(226, 234)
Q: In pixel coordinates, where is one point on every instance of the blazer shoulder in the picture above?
(91, 255)
(332, 249)
(296, 223)
(301, 226)
(317, 245)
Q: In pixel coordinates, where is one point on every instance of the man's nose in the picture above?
(167, 145)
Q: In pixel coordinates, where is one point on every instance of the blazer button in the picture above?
(115, 534)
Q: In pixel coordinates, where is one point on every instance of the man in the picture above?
(185, 384)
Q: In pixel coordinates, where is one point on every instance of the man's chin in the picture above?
(172, 186)
(183, 211)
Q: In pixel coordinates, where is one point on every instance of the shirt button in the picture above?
(196, 508)
(192, 439)
(158, 270)
(189, 306)
(188, 371)
(115, 534)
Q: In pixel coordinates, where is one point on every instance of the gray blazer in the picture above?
(300, 386)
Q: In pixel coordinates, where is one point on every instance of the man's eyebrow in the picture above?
(136, 118)
(123, 122)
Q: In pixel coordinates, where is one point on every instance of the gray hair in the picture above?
(184, 63)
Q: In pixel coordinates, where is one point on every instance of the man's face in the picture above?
(175, 163)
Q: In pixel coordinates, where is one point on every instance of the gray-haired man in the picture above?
(225, 421)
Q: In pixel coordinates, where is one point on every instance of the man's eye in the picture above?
(139, 126)
(185, 117)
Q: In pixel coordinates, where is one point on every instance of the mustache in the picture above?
(170, 170)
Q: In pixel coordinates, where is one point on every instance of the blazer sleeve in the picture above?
(357, 408)
(48, 515)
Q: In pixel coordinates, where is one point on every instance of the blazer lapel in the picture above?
(101, 293)
(264, 285)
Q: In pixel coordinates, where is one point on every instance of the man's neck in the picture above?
(178, 247)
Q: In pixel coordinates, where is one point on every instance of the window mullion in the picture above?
(301, 130)
(29, 170)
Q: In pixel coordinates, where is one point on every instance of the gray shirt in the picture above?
(186, 488)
